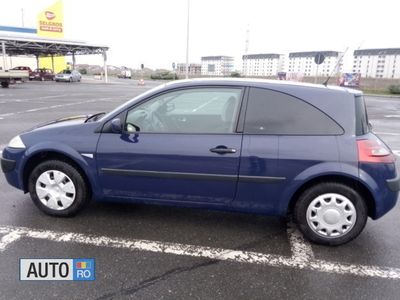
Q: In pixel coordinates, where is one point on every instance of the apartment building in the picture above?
(303, 62)
(217, 65)
(194, 69)
(377, 63)
(264, 65)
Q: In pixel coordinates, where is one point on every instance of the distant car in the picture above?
(22, 68)
(69, 76)
(267, 147)
(42, 74)
(141, 82)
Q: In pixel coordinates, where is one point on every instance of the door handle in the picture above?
(223, 150)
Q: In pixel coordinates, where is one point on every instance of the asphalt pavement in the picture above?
(154, 252)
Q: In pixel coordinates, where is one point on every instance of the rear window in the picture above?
(271, 112)
(361, 116)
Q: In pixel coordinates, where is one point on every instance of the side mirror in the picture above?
(116, 125)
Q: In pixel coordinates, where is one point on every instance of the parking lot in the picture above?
(153, 252)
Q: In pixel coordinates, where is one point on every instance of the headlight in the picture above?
(16, 142)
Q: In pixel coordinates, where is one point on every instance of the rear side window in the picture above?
(271, 112)
(361, 116)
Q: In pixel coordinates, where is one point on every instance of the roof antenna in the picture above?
(325, 83)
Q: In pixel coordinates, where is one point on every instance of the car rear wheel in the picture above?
(57, 188)
(330, 213)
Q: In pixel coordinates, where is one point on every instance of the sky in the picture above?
(153, 32)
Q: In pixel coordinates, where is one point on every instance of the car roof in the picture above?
(262, 83)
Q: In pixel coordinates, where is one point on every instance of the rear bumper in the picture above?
(394, 184)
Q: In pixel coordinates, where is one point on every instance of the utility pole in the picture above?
(22, 17)
(246, 48)
(187, 39)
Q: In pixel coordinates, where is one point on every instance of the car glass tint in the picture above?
(361, 116)
(271, 112)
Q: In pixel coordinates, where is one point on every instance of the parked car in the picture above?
(12, 76)
(69, 76)
(125, 74)
(42, 74)
(267, 147)
(23, 68)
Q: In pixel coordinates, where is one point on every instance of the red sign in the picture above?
(49, 15)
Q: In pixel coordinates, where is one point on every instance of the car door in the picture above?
(283, 137)
(178, 146)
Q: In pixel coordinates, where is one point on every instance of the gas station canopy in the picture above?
(16, 45)
(45, 47)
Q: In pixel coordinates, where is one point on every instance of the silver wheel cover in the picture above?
(331, 215)
(55, 190)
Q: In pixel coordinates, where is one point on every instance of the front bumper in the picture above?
(11, 166)
(7, 165)
(62, 78)
(394, 184)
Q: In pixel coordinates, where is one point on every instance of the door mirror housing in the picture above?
(116, 125)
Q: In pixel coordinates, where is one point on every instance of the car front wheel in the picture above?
(58, 188)
(330, 213)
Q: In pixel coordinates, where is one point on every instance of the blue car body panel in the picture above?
(178, 169)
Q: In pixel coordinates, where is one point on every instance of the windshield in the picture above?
(130, 102)
(66, 72)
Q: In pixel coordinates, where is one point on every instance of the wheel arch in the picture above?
(347, 180)
(41, 156)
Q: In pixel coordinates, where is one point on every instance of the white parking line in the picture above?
(301, 249)
(2, 116)
(386, 133)
(8, 239)
(392, 116)
(301, 258)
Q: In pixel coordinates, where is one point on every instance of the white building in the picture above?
(303, 62)
(216, 65)
(194, 69)
(377, 63)
(268, 64)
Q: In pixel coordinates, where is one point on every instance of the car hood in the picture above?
(74, 120)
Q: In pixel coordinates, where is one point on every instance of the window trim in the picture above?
(236, 119)
(286, 134)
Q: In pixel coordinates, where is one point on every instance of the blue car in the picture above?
(256, 146)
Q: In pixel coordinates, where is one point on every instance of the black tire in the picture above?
(81, 188)
(4, 84)
(305, 199)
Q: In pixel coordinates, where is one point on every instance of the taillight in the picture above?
(374, 151)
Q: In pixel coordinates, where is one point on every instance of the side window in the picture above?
(271, 112)
(199, 110)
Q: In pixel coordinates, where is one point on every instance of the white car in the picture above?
(68, 75)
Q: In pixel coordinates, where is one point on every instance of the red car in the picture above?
(42, 74)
